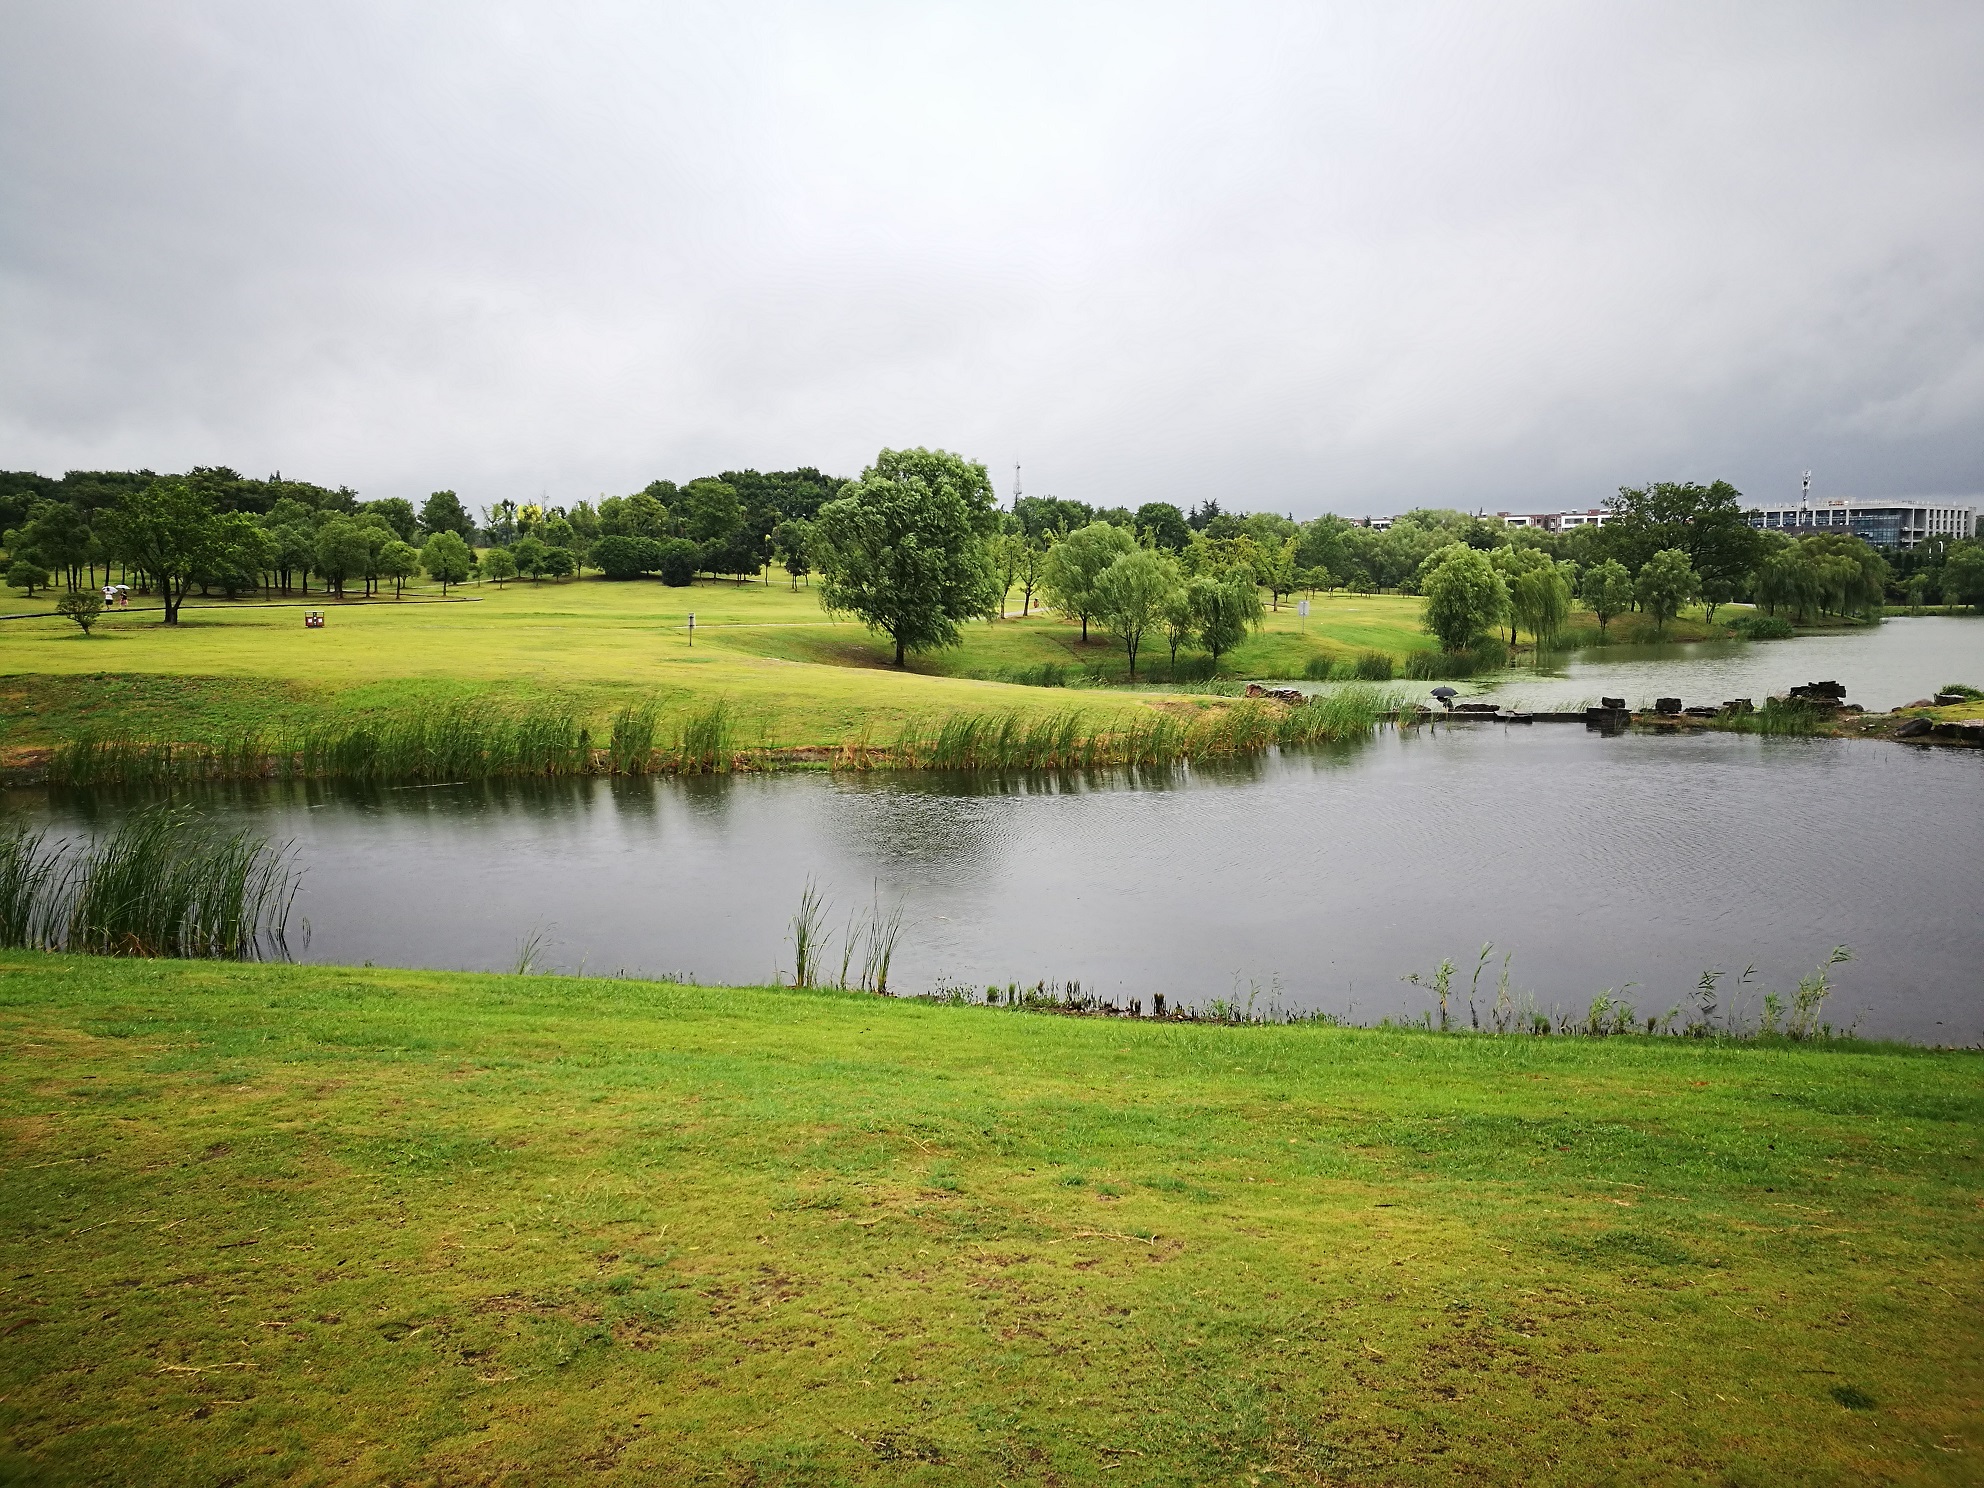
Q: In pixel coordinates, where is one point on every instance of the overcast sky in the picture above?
(1306, 258)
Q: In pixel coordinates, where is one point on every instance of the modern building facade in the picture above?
(1885, 522)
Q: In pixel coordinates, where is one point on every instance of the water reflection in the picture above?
(1328, 874)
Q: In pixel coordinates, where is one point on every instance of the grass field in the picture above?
(796, 677)
(339, 1226)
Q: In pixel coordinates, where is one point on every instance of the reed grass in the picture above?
(630, 745)
(480, 743)
(1799, 717)
(27, 884)
(705, 741)
(164, 882)
(808, 944)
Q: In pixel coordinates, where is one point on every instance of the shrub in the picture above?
(26, 574)
(1762, 627)
(1374, 666)
(1962, 689)
(82, 606)
(677, 559)
(621, 557)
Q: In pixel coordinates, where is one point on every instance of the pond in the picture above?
(1882, 666)
(1315, 879)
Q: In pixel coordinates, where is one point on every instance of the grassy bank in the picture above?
(460, 743)
(794, 679)
(284, 1224)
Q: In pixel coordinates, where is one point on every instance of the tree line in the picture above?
(217, 531)
(918, 543)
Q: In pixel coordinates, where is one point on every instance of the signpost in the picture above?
(1302, 609)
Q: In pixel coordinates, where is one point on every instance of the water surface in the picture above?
(1883, 666)
(1318, 879)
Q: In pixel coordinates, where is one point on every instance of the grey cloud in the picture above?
(1293, 257)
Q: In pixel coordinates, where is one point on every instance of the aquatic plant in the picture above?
(631, 743)
(27, 883)
(164, 882)
(808, 944)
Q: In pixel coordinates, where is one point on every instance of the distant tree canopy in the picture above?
(279, 533)
(1707, 523)
(1041, 516)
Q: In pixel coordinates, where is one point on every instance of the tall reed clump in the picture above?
(164, 882)
(28, 885)
(706, 741)
(631, 744)
(1066, 741)
(457, 743)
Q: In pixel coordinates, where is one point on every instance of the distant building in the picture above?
(1562, 521)
(1885, 522)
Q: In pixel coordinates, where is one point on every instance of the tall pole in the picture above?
(1805, 500)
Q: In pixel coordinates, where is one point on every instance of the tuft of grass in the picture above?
(1796, 717)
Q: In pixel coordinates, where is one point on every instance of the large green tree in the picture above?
(1226, 606)
(447, 559)
(1666, 582)
(1073, 564)
(1464, 595)
(169, 530)
(1541, 600)
(1963, 576)
(1608, 588)
(903, 551)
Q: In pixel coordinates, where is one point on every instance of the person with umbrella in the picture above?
(1446, 695)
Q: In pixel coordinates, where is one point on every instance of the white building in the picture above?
(1552, 521)
(1884, 521)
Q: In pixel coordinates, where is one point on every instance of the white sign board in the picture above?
(1302, 608)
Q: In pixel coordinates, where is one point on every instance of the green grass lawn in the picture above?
(797, 677)
(332, 1226)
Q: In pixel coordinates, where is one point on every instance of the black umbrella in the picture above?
(1446, 695)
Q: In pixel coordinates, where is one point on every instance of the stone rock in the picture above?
(1948, 700)
(1667, 707)
(1737, 706)
(1920, 703)
(1617, 705)
(1915, 728)
(1701, 712)
(1821, 692)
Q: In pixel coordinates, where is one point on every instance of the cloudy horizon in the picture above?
(1291, 258)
